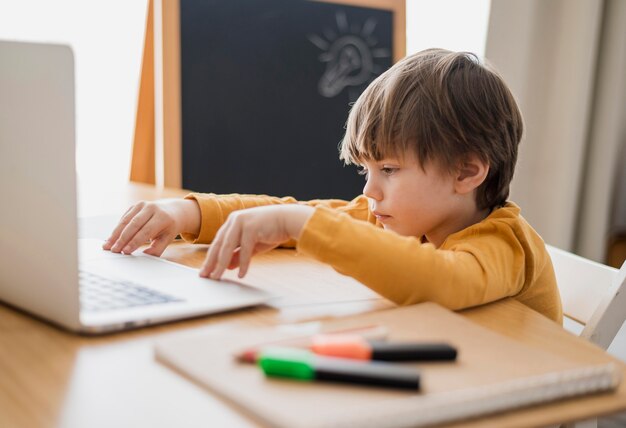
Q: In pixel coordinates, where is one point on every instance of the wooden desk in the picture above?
(50, 378)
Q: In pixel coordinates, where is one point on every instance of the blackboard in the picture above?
(266, 87)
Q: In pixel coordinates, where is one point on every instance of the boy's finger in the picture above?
(124, 220)
(212, 255)
(209, 260)
(245, 253)
(159, 244)
(230, 242)
(146, 234)
(134, 226)
(207, 265)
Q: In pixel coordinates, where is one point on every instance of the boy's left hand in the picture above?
(251, 231)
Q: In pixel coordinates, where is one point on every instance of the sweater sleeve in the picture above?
(215, 209)
(478, 267)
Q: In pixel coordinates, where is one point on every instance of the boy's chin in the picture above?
(391, 228)
(399, 231)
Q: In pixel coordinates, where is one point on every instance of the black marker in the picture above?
(303, 365)
(358, 348)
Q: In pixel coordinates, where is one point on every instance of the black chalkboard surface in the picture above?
(266, 87)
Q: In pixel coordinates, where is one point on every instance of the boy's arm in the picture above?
(407, 271)
(216, 208)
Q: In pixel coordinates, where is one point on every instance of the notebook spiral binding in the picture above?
(419, 411)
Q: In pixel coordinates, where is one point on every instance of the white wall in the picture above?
(457, 25)
(107, 39)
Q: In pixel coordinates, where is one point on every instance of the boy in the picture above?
(436, 137)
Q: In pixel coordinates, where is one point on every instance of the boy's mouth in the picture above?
(381, 217)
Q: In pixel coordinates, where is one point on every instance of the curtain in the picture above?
(564, 61)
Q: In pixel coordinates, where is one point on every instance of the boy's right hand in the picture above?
(156, 222)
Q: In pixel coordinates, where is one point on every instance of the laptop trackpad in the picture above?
(153, 272)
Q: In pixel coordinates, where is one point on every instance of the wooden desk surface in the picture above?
(50, 378)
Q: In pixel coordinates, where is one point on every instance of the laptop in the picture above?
(44, 268)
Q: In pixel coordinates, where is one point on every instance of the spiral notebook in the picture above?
(492, 374)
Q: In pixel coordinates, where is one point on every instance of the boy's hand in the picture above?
(251, 231)
(155, 222)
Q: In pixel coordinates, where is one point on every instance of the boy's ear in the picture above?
(471, 173)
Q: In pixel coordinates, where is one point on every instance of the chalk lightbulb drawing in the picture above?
(349, 55)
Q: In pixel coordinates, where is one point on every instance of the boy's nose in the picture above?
(371, 191)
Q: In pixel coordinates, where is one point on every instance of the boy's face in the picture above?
(409, 200)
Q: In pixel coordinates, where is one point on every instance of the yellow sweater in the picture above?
(502, 256)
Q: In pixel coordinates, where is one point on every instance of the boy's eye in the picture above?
(387, 170)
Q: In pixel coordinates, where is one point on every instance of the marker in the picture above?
(359, 348)
(370, 332)
(302, 365)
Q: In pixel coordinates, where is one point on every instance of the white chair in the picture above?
(593, 296)
(594, 301)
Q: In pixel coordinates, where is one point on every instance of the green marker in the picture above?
(305, 366)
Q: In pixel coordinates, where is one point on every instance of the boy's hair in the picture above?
(443, 106)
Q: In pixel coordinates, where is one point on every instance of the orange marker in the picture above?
(358, 348)
(370, 332)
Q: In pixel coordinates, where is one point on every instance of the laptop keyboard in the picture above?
(98, 293)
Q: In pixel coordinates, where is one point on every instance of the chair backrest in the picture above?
(591, 295)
